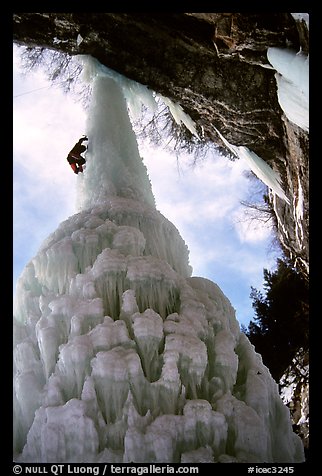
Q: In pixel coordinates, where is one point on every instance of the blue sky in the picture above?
(203, 202)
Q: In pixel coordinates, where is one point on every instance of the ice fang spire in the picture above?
(114, 166)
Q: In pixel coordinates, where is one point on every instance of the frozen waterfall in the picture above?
(119, 354)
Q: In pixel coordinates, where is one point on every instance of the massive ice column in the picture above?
(119, 354)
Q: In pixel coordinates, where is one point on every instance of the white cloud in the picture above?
(209, 191)
(207, 194)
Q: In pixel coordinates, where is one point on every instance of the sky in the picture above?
(202, 201)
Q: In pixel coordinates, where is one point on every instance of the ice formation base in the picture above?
(120, 356)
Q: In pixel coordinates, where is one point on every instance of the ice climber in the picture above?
(74, 158)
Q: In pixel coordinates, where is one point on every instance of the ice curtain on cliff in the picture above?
(120, 355)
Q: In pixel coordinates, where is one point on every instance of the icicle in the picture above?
(260, 168)
(292, 79)
(180, 116)
(135, 93)
(113, 167)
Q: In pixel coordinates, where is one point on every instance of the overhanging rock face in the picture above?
(215, 66)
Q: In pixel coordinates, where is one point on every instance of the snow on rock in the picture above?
(119, 354)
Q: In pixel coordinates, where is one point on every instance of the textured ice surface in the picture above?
(119, 354)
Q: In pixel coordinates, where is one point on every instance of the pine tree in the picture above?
(280, 328)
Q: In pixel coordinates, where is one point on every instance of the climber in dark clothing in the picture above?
(74, 158)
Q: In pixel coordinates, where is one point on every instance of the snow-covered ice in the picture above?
(119, 354)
